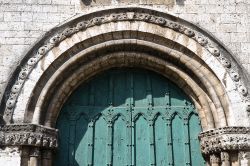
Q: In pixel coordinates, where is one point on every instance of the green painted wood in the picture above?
(120, 142)
(82, 140)
(178, 141)
(128, 117)
(63, 127)
(194, 130)
(142, 142)
(100, 142)
(161, 154)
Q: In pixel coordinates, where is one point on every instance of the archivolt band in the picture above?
(88, 44)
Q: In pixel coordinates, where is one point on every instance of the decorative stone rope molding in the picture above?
(225, 139)
(133, 14)
(28, 135)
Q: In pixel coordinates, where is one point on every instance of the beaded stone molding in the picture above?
(28, 135)
(225, 139)
(122, 14)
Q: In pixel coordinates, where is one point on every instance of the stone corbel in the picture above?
(28, 135)
(225, 139)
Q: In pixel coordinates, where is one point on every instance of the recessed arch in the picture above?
(222, 76)
(137, 58)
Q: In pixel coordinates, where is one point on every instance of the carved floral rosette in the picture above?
(28, 135)
(225, 139)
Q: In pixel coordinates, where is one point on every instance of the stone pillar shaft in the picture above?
(214, 160)
(35, 157)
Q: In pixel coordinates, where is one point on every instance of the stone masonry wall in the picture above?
(23, 21)
(10, 156)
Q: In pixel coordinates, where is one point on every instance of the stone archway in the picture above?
(138, 37)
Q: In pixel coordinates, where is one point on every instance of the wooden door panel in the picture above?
(63, 152)
(128, 117)
(141, 142)
(178, 140)
(100, 142)
(120, 141)
(161, 148)
(81, 140)
(194, 130)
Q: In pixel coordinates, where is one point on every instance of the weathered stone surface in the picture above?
(225, 139)
(10, 156)
(28, 135)
(23, 21)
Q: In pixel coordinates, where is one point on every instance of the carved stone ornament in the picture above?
(225, 157)
(244, 155)
(28, 135)
(121, 15)
(214, 159)
(225, 139)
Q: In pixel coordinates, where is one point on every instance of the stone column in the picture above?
(35, 157)
(226, 146)
(35, 141)
(225, 160)
(25, 156)
(244, 158)
(47, 157)
(214, 160)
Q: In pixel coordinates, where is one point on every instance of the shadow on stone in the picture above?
(87, 2)
(180, 2)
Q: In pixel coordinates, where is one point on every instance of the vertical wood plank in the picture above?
(178, 140)
(131, 79)
(169, 141)
(142, 142)
(151, 120)
(186, 141)
(109, 144)
(120, 142)
(152, 142)
(61, 158)
(81, 139)
(129, 142)
(90, 143)
(161, 147)
(72, 142)
(194, 130)
(100, 142)
(111, 90)
(91, 128)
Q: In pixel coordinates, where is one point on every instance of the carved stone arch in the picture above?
(128, 37)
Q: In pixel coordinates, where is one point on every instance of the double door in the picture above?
(128, 117)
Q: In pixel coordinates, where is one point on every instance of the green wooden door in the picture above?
(128, 117)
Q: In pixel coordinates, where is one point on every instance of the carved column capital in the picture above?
(28, 135)
(35, 152)
(225, 139)
(244, 157)
(224, 157)
(214, 159)
(47, 154)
